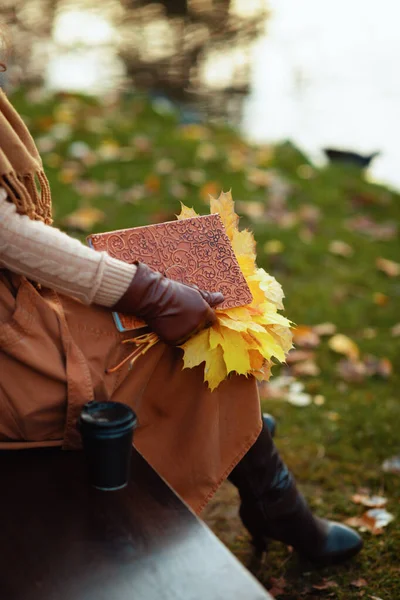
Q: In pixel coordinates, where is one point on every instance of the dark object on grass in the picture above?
(350, 158)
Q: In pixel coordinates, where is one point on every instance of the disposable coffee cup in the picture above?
(107, 429)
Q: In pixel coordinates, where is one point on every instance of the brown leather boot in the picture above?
(273, 508)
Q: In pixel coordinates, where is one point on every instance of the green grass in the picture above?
(331, 458)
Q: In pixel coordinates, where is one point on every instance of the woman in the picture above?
(57, 339)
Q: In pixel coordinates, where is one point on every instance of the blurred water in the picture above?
(327, 75)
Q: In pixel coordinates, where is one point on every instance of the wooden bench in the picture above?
(60, 539)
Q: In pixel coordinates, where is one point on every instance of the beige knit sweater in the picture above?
(46, 255)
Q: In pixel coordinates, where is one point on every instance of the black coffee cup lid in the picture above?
(107, 414)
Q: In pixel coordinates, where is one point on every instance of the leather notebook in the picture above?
(194, 251)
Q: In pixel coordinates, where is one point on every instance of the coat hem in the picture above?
(225, 474)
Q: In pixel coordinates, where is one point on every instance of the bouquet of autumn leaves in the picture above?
(247, 339)
(244, 340)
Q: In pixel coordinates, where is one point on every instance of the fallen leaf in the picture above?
(142, 143)
(109, 150)
(325, 585)
(88, 188)
(395, 331)
(319, 400)
(254, 209)
(178, 190)
(152, 183)
(374, 520)
(340, 248)
(84, 218)
(273, 247)
(392, 465)
(325, 329)
(209, 189)
(369, 333)
(296, 356)
(45, 143)
(278, 586)
(306, 235)
(308, 368)
(197, 177)
(79, 149)
(359, 583)
(61, 131)
(305, 336)
(193, 131)
(206, 152)
(133, 195)
(353, 371)
(259, 177)
(287, 219)
(380, 299)
(53, 160)
(370, 501)
(378, 366)
(333, 416)
(375, 598)
(344, 345)
(376, 231)
(309, 214)
(391, 268)
(165, 166)
(236, 159)
(68, 174)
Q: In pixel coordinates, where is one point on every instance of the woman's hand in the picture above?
(172, 310)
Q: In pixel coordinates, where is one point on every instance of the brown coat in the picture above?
(53, 355)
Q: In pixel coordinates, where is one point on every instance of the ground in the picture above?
(322, 232)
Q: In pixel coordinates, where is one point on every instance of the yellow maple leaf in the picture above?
(256, 360)
(255, 289)
(246, 264)
(186, 213)
(232, 323)
(225, 206)
(195, 350)
(215, 337)
(215, 368)
(283, 336)
(270, 347)
(271, 288)
(243, 242)
(264, 373)
(236, 354)
(269, 316)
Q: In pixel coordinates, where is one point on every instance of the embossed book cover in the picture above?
(193, 251)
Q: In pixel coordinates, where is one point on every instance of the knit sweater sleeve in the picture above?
(54, 259)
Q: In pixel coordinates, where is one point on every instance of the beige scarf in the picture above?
(21, 168)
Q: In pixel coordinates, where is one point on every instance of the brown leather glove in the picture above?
(172, 310)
